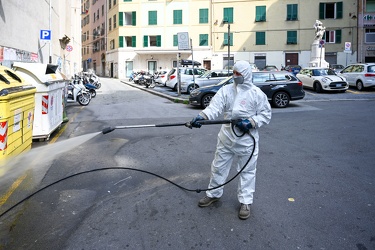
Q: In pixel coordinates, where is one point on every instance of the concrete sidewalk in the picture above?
(161, 91)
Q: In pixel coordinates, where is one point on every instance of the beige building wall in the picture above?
(276, 51)
(20, 26)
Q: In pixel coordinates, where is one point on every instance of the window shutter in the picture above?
(175, 40)
(145, 41)
(158, 41)
(339, 8)
(134, 18)
(121, 41)
(134, 41)
(338, 36)
(321, 10)
(121, 18)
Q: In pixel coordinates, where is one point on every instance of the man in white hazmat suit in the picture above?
(244, 101)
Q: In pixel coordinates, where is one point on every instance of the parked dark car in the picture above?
(295, 69)
(280, 87)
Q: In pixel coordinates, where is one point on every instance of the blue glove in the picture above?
(195, 122)
(244, 125)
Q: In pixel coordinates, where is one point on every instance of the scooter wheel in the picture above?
(84, 99)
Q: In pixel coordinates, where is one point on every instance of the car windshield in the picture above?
(323, 72)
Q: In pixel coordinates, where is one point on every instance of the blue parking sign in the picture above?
(45, 35)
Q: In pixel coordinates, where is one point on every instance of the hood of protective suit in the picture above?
(245, 70)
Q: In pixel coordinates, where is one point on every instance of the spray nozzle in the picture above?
(108, 130)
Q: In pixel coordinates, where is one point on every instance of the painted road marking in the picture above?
(12, 188)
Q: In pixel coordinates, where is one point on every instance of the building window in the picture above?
(175, 40)
(110, 24)
(370, 36)
(203, 15)
(330, 10)
(109, 4)
(370, 6)
(332, 36)
(112, 44)
(228, 15)
(114, 21)
(260, 38)
(292, 12)
(203, 39)
(127, 18)
(260, 13)
(177, 17)
(152, 18)
(127, 0)
(151, 41)
(291, 37)
(129, 41)
(226, 38)
(103, 10)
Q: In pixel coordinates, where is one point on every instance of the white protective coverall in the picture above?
(237, 101)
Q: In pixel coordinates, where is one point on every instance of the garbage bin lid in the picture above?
(11, 82)
(45, 73)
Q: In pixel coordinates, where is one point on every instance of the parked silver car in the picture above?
(210, 77)
(359, 75)
(186, 74)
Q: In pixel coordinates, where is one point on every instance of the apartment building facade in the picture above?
(366, 31)
(22, 39)
(93, 24)
(143, 34)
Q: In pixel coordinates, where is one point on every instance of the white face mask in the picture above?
(238, 79)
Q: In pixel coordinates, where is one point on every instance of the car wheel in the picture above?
(175, 87)
(191, 87)
(280, 100)
(206, 100)
(359, 85)
(318, 87)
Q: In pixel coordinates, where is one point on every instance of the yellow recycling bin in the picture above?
(17, 102)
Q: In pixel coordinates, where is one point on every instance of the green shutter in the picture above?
(225, 43)
(203, 15)
(260, 13)
(338, 36)
(177, 17)
(291, 37)
(228, 15)
(260, 38)
(339, 8)
(134, 41)
(175, 40)
(321, 10)
(134, 18)
(158, 41)
(152, 18)
(121, 42)
(292, 12)
(203, 40)
(121, 18)
(145, 41)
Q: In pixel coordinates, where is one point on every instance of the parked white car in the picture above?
(322, 79)
(359, 75)
(210, 77)
(186, 74)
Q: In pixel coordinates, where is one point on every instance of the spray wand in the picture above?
(187, 124)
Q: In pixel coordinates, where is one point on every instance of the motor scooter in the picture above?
(76, 92)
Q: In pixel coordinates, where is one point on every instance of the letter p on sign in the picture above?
(45, 35)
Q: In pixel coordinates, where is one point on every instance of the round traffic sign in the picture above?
(69, 48)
